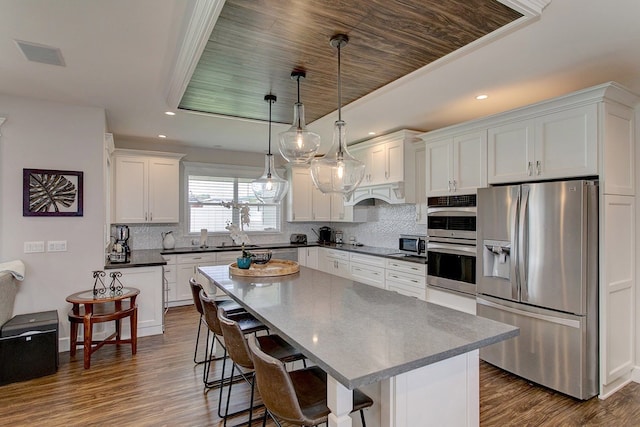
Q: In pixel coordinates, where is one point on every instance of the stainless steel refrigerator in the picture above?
(538, 269)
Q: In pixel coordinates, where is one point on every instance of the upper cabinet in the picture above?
(557, 145)
(389, 172)
(146, 187)
(456, 164)
(306, 203)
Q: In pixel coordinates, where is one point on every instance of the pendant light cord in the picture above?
(299, 118)
(270, 104)
(339, 88)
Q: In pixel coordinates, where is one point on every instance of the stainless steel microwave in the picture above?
(413, 244)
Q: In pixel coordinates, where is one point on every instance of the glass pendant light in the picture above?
(270, 188)
(337, 171)
(297, 144)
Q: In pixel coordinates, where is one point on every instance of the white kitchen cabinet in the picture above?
(146, 188)
(308, 257)
(420, 161)
(367, 269)
(456, 164)
(150, 310)
(187, 267)
(557, 145)
(406, 278)
(306, 203)
(334, 261)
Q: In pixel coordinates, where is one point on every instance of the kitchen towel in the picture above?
(14, 267)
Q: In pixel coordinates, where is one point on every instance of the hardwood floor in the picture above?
(160, 386)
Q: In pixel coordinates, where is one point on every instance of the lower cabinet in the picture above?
(334, 261)
(150, 310)
(367, 269)
(308, 257)
(465, 303)
(170, 279)
(406, 278)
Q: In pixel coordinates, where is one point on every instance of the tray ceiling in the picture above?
(255, 45)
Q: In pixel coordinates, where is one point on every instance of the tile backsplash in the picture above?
(384, 223)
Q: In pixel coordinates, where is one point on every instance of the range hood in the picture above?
(393, 194)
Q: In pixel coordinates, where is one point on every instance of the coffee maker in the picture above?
(120, 251)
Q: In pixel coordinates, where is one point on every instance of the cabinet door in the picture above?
(321, 205)
(618, 150)
(340, 212)
(312, 257)
(469, 162)
(395, 161)
(131, 190)
(363, 156)
(164, 190)
(439, 165)
(299, 198)
(511, 152)
(420, 160)
(184, 272)
(566, 143)
(378, 163)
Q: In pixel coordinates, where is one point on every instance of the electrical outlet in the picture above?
(57, 246)
(33, 247)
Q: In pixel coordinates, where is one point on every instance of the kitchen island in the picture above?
(424, 357)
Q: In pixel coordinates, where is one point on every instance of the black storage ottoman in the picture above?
(29, 346)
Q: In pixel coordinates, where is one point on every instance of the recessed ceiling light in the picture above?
(372, 133)
(481, 97)
(162, 136)
(170, 113)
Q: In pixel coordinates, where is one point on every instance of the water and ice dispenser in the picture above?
(496, 258)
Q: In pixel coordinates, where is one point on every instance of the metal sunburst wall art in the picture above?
(51, 192)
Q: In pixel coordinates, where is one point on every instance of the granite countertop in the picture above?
(383, 333)
(153, 257)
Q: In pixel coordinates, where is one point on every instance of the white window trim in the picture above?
(222, 170)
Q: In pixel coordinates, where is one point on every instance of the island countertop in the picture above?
(359, 334)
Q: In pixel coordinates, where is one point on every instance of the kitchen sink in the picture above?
(235, 246)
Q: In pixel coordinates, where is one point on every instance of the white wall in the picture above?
(46, 135)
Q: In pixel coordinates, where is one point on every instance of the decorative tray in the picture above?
(275, 267)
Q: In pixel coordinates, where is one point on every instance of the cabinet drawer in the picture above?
(407, 267)
(406, 284)
(170, 259)
(200, 258)
(170, 273)
(369, 275)
(337, 254)
(374, 261)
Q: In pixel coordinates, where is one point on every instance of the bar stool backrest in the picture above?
(234, 341)
(195, 291)
(210, 311)
(275, 385)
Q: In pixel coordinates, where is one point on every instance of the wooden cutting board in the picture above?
(275, 267)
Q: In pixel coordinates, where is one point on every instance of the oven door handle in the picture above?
(451, 249)
(470, 211)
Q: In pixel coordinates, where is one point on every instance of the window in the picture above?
(206, 192)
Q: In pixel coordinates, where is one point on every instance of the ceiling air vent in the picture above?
(40, 53)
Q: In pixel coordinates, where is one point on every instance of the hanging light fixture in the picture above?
(297, 144)
(338, 171)
(270, 188)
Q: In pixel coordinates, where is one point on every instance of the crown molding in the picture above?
(203, 18)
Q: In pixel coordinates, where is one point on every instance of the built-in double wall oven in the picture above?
(451, 247)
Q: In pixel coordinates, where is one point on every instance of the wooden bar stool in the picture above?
(89, 309)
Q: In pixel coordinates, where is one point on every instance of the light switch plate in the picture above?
(57, 246)
(33, 247)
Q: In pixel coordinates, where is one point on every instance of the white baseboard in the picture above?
(635, 374)
(64, 344)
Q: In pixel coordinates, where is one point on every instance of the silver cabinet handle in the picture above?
(293, 215)
(145, 216)
(151, 216)
(529, 168)
(455, 185)
(386, 175)
(538, 167)
(449, 186)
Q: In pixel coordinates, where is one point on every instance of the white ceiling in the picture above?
(121, 54)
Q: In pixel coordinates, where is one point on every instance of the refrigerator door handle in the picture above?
(552, 319)
(523, 243)
(515, 253)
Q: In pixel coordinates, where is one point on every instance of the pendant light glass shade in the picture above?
(270, 188)
(338, 171)
(297, 144)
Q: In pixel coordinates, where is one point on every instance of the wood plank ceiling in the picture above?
(255, 45)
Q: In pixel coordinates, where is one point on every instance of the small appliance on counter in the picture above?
(298, 238)
(168, 241)
(325, 235)
(120, 249)
(339, 237)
